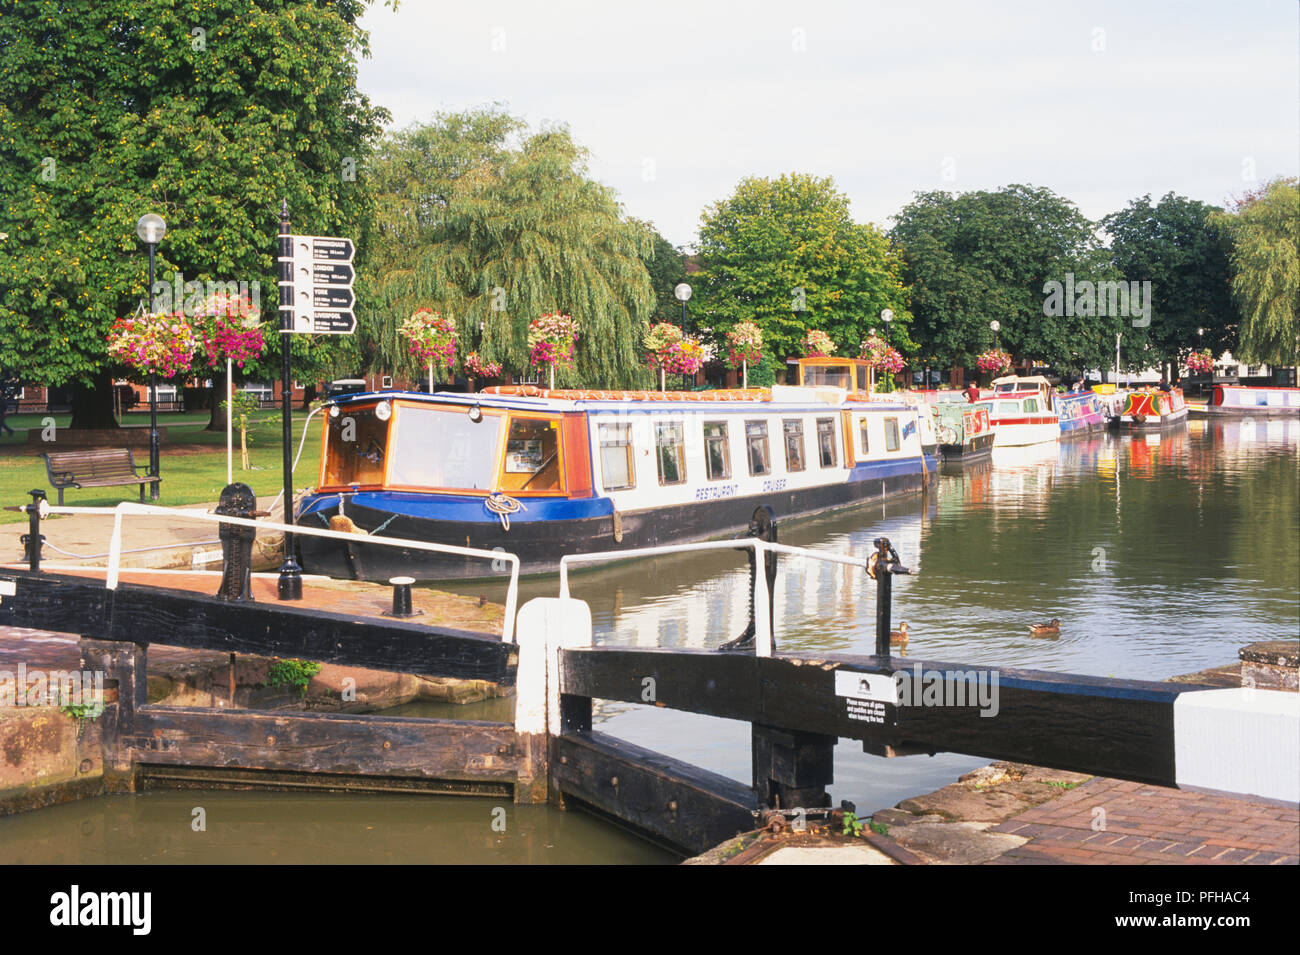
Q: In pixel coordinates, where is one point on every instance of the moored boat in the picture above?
(1248, 401)
(1081, 412)
(965, 433)
(541, 473)
(1150, 409)
(1022, 411)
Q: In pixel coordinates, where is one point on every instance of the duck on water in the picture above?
(543, 473)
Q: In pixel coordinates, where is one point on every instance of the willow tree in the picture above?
(1265, 230)
(495, 226)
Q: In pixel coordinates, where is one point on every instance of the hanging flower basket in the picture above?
(684, 357)
(550, 342)
(160, 344)
(431, 338)
(882, 356)
(479, 368)
(659, 340)
(745, 344)
(229, 328)
(993, 360)
(817, 344)
(1200, 362)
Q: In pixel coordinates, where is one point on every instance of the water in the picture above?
(1160, 554)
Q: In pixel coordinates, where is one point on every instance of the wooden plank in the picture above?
(329, 743)
(1120, 728)
(69, 604)
(684, 807)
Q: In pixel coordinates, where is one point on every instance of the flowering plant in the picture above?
(882, 356)
(1200, 362)
(684, 356)
(479, 368)
(745, 341)
(993, 360)
(550, 340)
(431, 337)
(231, 329)
(817, 344)
(159, 344)
(659, 340)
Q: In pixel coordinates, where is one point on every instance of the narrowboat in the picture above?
(1081, 412)
(965, 433)
(541, 473)
(1150, 409)
(1245, 401)
(1022, 411)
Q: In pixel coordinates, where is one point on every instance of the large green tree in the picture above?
(667, 267)
(495, 226)
(1174, 246)
(208, 112)
(1265, 230)
(785, 253)
(983, 256)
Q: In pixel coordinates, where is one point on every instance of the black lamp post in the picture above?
(683, 294)
(151, 228)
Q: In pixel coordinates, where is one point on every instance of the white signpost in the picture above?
(320, 285)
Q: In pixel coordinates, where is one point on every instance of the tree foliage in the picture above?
(207, 112)
(1174, 246)
(1265, 229)
(496, 226)
(786, 254)
(982, 256)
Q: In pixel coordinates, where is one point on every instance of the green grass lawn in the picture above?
(192, 461)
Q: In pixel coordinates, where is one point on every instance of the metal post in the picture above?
(290, 582)
(153, 402)
(882, 566)
(33, 539)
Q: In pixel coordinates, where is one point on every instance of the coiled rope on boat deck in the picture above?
(502, 505)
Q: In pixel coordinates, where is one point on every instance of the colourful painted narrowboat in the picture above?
(1081, 412)
(1149, 409)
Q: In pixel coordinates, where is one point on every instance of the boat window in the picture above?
(760, 458)
(616, 467)
(826, 442)
(834, 376)
(355, 445)
(671, 445)
(793, 444)
(891, 434)
(434, 447)
(1031, 405)
(862, 378)
(1008, 409)
(532, 461)
(717, 453)
(862, 434)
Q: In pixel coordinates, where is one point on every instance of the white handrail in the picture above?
(131, 507)
(759, 608)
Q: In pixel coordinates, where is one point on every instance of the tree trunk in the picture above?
(217, 420)
(92, 406)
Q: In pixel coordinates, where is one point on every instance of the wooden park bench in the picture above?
(102, 467)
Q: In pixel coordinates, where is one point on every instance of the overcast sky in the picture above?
(677, 101)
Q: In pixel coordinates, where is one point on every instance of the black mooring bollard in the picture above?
(402, 595)
(237, 500)
(882, 566)
(33, 539)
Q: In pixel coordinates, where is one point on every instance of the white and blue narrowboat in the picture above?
(544, 473)
(1245, 401)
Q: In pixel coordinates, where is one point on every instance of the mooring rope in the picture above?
(502, 505)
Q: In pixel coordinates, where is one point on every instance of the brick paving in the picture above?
(1114, 822)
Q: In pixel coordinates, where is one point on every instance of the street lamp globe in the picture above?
(151, 228)
(682, 292)
(995, 325)
(887, 316)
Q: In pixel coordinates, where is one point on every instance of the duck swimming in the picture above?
(1049, 629)
(898, 638)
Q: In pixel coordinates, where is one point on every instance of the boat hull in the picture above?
(1023, 435)
(539, 544)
